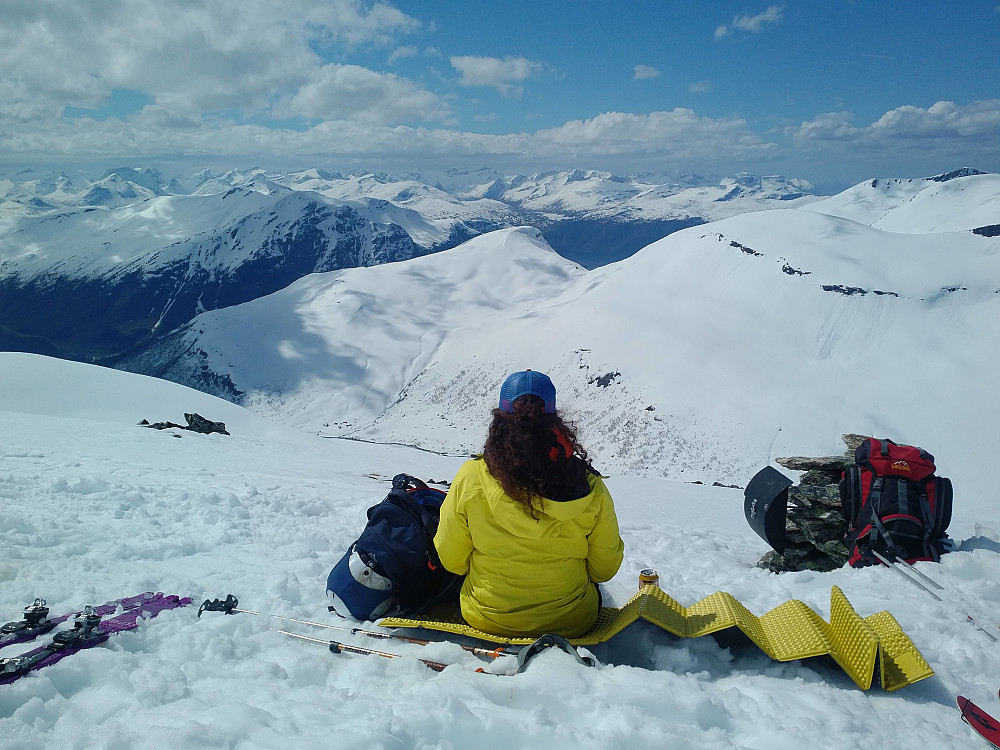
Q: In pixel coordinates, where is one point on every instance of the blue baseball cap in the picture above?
(523, 383)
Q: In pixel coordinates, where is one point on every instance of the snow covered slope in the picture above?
(93, 507)
(702, 357)
(109, 280)
(965, 201)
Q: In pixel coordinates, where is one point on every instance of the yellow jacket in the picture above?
(526, 576)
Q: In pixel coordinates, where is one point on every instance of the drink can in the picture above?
(648, 577)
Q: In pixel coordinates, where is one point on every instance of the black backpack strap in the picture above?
(850, 494)
(874, 502)
(928, 518)
(938, 520)
(942, 505)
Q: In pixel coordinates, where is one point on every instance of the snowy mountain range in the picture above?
(699, 358)
(118, 261)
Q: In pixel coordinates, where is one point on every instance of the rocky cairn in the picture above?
(815, 525)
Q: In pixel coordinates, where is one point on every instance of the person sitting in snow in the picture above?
(529, 523)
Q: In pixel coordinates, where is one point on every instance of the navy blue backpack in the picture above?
(393, 566)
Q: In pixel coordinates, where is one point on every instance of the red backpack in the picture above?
(894, 504)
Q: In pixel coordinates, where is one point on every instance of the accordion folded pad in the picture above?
(789, 631)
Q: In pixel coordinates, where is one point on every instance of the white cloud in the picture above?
(645, 73)
(399, 53)
(504, 75)
(751, 24)
(700, 87)
(935, 138)
(678, 134)
(673, 135)
(192, 58)
(944, 122)
(350, 92)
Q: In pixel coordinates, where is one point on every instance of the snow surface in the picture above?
(94, 507)
(919, 206)
(702, 357)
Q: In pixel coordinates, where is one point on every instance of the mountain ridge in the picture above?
(700, 357)
(161, 256)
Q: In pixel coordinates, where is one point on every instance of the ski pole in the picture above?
(915, 582)
(338, 648)
(230, 605)
(916, 572)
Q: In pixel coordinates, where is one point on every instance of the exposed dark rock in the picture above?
(745, 249)
(853, 441)
(963, 172)
(794, 271)
(195, 423)
(606, 379)
(802, 463)
(845, 290)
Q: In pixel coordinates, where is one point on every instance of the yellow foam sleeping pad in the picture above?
(789, 631)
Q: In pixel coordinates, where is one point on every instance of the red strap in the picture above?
(564, 442)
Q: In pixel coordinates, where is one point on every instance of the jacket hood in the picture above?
(515, 519)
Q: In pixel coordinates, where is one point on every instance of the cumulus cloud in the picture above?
(351, 92)
(505, 75)
(751, 24)
(679, 133)
(645, 73)
(192, 58)
(974, 123)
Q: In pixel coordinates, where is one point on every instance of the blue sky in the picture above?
(831, 91)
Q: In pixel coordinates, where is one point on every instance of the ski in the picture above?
(36, 620)
(34, 623)
(981, 722)
(89, 629)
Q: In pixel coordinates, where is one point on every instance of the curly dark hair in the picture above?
(535, 455)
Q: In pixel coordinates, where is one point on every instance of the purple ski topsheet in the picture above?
(143, 607)
(108, 608)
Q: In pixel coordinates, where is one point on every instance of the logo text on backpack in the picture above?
(900, 466)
